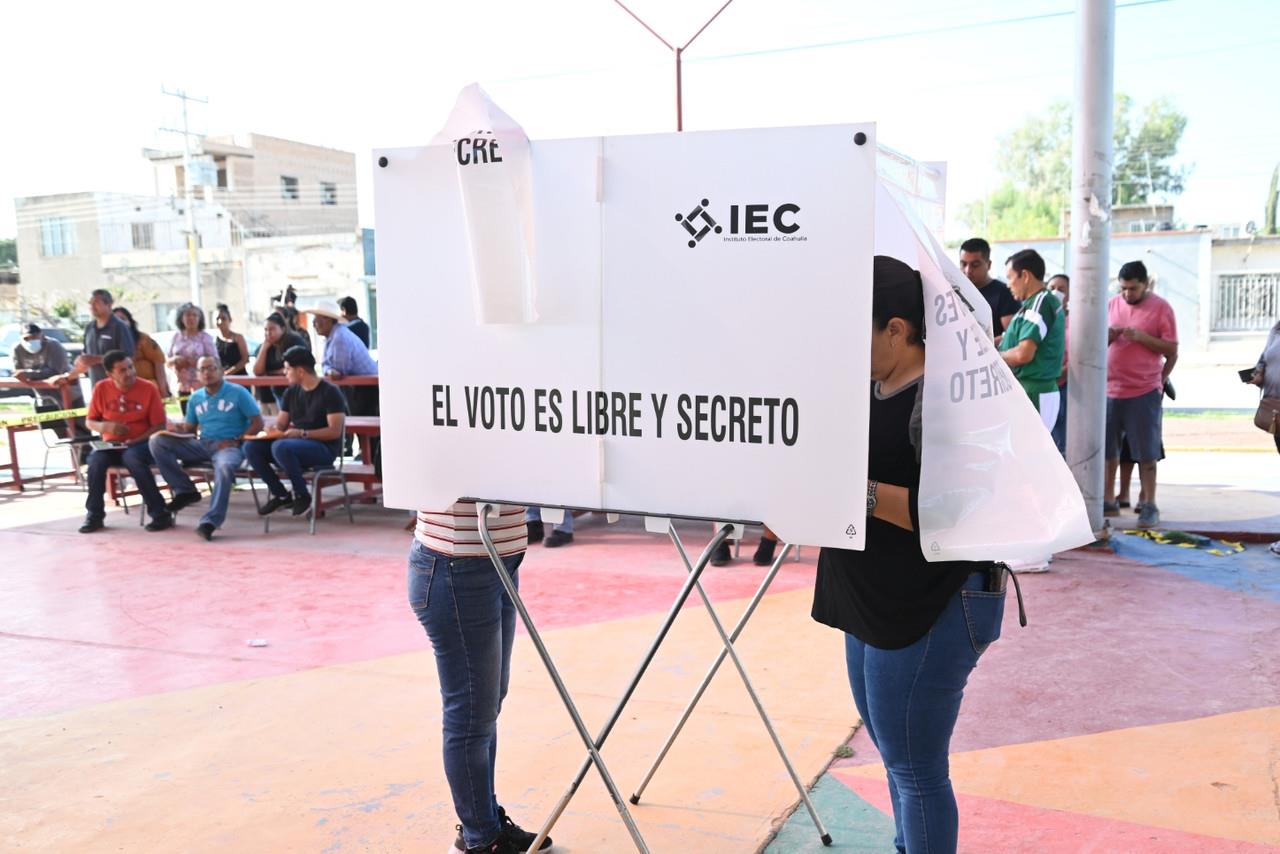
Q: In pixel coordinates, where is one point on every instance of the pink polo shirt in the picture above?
(1135, 369)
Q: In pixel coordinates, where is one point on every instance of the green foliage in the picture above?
(8, 252)
(65, 308)
(1034, 162)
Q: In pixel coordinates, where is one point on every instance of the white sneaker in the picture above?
(1029, 567)
(1275, 547)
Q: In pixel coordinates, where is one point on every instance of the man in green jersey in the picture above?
(1033, 343)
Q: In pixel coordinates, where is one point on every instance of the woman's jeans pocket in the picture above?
(983, 614)
(422, 565)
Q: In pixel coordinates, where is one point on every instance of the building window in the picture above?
(288, 188)
(57, 236)
(328, 193)
(144, 235)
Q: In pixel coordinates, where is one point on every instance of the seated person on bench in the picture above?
(223, 412)
(307, 433)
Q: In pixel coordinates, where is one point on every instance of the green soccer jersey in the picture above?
(1039, 320)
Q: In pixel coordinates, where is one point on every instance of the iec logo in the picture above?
(708, 224)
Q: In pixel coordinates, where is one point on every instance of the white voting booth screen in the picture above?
(698, 344)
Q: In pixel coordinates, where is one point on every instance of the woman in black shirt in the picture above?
(913, 629)
(270, 361)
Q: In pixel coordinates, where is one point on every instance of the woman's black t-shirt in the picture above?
(275, 361)
(887, 595)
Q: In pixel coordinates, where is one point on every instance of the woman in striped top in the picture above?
(457, 596)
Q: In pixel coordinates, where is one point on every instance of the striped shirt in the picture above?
(456, 531)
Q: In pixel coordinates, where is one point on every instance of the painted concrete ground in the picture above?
(1140, 710)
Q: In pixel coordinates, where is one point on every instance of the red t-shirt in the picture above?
(1135, 369)
(139, 407)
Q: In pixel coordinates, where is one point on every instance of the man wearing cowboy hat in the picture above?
(345, 355)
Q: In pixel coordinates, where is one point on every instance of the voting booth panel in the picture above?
(698, 344)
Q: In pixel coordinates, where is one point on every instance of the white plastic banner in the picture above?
(495, 179)
(992, 484)
(700, 345)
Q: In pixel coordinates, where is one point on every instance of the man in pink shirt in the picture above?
(1142, 349)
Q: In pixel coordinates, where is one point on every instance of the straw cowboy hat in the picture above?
(325, 308)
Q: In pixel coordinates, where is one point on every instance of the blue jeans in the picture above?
(909, 700)
(292, 455)
(137, 459)
(534, 514)
(170, 452)
(472, 624)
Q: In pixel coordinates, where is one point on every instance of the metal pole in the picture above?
(1090, 240)
(193, 244)
(679, 95)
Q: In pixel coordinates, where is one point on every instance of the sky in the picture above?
(943, 79)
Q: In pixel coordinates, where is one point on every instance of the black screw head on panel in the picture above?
(382, 161)
(859, 138)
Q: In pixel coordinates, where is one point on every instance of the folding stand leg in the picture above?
(730, 652)
(592, 746)
(695, 572)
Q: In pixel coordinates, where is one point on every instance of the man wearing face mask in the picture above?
(40, 358)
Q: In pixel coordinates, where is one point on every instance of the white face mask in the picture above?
(32, 345)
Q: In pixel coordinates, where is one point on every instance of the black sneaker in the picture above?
(301, 505)
(205, 530)
(764, 552)
(183, 499)
(159, 523)
(556, 539)
(723, 555)
(274, 503)
(535, 532)
(501, 845)
(90, 525)
(515, 834)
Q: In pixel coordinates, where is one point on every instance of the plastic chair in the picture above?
(52, 445)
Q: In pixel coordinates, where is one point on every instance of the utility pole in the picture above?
(679, 52)
(1090, 241)
(193, 239)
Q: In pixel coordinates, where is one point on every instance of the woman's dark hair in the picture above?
(897, 291)
(290, 315)
(278, 319)
(183, 309)
(222, 309)
(128, 318)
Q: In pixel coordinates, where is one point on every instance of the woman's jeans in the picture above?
(472, 624)
(909, 699)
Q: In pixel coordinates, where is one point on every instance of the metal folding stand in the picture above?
(593, 746)
(730, 652)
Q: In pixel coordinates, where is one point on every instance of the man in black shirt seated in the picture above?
(307, 433)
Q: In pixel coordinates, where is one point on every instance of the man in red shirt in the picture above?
(1142, 350)
(126, 411)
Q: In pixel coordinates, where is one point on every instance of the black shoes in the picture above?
(159, 523)
(515, 836)
(301, 504)
(556, 539)
(723, 555)
(90, 525)
(183, 499)
(205, 530)
(764, 552)
(535, 532)
(274, 503)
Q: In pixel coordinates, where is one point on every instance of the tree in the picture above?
(8, 252)
(1035, 168)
